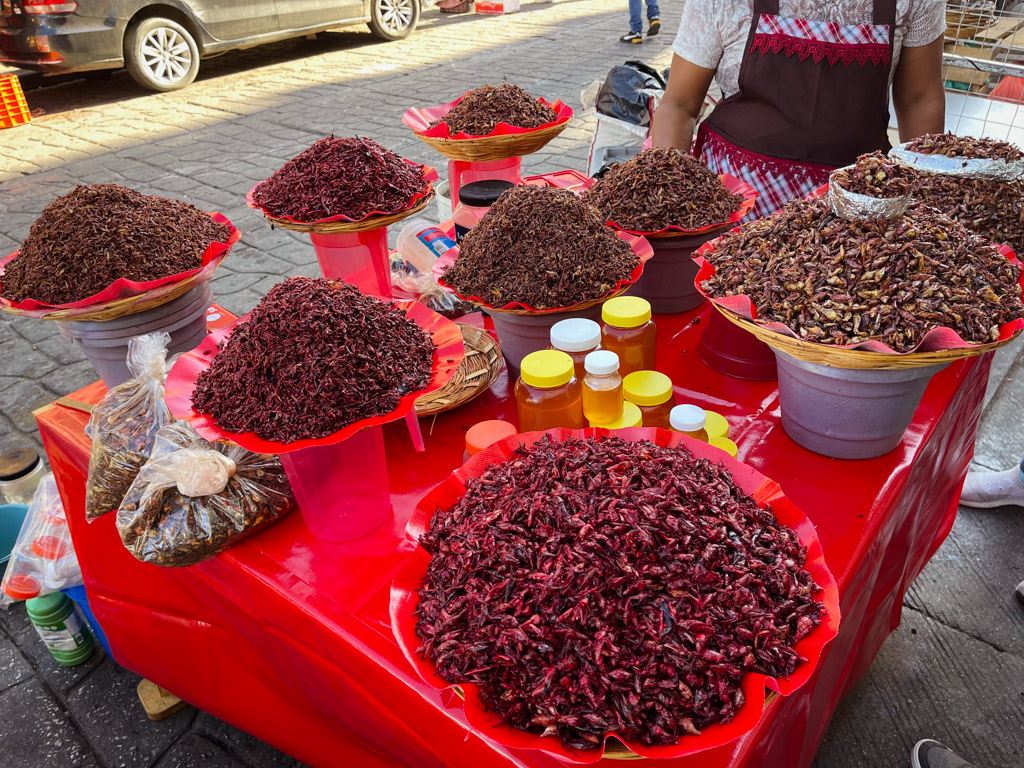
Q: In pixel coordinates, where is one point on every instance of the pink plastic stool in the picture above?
(342, 489)
(359, 258)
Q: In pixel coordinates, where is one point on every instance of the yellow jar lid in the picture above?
(631, 417)
(626, 311)
(546, 369)
(647, 388)
(715, 425)
(726, 445)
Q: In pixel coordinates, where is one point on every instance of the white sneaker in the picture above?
(984, 490)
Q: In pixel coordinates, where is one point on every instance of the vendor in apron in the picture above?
(806, 86)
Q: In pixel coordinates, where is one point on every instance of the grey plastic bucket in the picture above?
(519, 335)
(845, 413)
(105, 342)
(668, 277)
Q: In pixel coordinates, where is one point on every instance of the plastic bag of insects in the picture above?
(124, 424)
(194, 499)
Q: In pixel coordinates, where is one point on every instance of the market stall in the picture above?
(289, 637)
(698, 578)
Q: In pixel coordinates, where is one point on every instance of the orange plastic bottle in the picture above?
(651, 392)
(690, 420)
(629, 332)
(547, 393)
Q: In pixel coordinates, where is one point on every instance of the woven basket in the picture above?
(110, 310)
(364, 225)
(856, 359)
(478, 370)
(488, 148)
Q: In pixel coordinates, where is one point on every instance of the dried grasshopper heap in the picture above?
(542, 247)
(992, 208)
(951, 145)
(660, 188)
(633, 600)
(480, 111)
(835, 281)
(876, 176)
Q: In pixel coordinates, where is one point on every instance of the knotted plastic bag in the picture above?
(427, 291)
(193, 499)
(124, 424)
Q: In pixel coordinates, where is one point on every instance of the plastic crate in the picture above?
(13, 107)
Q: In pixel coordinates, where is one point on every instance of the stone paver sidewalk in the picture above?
(954, 670)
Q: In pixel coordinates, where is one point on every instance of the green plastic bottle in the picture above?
(61, 628)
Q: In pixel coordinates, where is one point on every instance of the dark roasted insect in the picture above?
(835, 281)
(662, 187)
(542, 247)
(85, 240)
(479, 111)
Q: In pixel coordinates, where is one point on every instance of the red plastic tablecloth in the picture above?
(288, 637)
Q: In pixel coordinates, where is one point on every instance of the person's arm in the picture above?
(677, 113)
(917, 91)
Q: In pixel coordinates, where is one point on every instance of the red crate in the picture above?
(13, 107)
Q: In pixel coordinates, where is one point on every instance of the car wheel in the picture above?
(161, 55)
(393, 19)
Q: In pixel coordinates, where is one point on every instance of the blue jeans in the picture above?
(636, 23)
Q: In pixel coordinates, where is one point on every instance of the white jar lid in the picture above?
(601, 363)
(576, 334)
(687, 418)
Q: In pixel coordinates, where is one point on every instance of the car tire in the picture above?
(394, 19)
(161, 54)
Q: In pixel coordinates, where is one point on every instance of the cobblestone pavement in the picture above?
(952, 671)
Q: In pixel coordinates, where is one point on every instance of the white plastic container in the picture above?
(420, 243)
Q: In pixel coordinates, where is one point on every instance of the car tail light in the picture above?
(48, 6)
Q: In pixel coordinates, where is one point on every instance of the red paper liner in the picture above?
(405, 598)
(183, 376)
(638, 244)
(429, 175)
(936, 340)
(420, 118)
(122, 287)
(732, 184)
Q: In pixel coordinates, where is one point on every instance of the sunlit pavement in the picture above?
(953, 671)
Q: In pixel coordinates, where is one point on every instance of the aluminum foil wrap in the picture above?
(971, 167)
(855, 206)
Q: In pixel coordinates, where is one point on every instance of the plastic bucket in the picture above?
(733, 351)
(845, 413)
(668, 278)
(519, 335)
(105, 342)
(342, 490)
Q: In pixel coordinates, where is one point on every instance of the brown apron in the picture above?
(812, 97)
